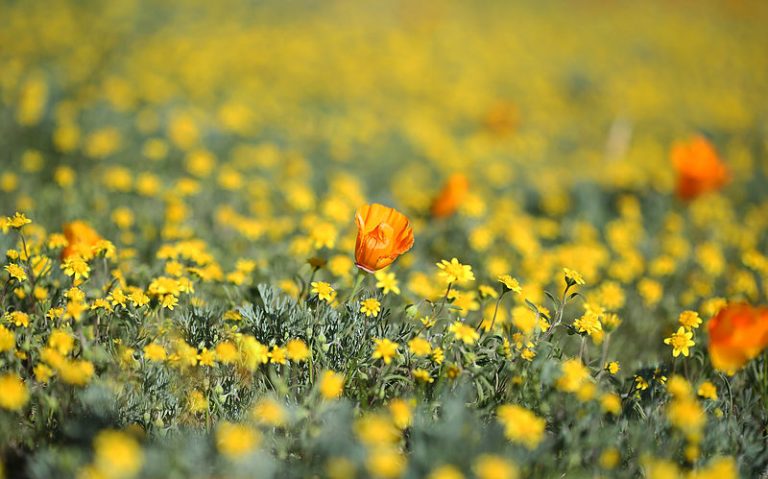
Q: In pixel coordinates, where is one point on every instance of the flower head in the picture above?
(385, 350)
(16, 272)
(465, 333)
(370, 307)
(573, 277)
(454, 272)
(680, 341)
(689, 320)
(737, 334)
(387, 282)
(510, 283)
(81, 240)
(699, 168)
(521, 425)
(15, 394)
(383, 234)
(451, 196)
(331, 384)
(323, 290)
(17, 221)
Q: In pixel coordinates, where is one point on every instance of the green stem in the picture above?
(358, 281)
(445, 299)
(495, 312)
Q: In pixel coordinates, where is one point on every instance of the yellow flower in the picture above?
(226, 352)
(18, 318)
(331, 384)
(613, 367)
(521, 425)
(117, 454)
(573, 277)
(14, 393)
(686, 415)
(402, 412)
(387, 282)
(16, 272)
(206, 357)
(455, 272)
(236, 440)
(609, 458)
(297, 350)
(707, 390)
(43, 373)
(277, 355)
(375, 429)
(488, 466)
(419, 346)
(384, 349)
(574, 374)
(680, 342)
(510, 283)
(253, 353)
(197, 402)
(18, 220)
(588, 323)
(689, 320)
(269, 412)
(446, 472)
(61, 341)
(641, 383)
(465, 333)
(155, 352)
(611, 403)
(324, 291)
(422, 375)
(76, 267)
(370, 307)
(7, 339)
(386, 463)
(438, 356)
(77, 373)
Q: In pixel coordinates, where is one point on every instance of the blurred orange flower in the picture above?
(81, 238)
(502, 118)
(699, 168)
(383, 234)
(451, 196)
(737, 334)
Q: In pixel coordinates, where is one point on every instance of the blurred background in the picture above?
(391, 90)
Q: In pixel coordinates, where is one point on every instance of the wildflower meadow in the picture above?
(396, 239)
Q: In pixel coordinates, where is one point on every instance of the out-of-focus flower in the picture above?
(451, 196)
(699, 169)
(81, 240)
(236, 440)
(15, 394)
(383, 234)
(521, 425)
(331, 384)
(737, 334)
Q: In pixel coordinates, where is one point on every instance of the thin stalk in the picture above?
(495, 312)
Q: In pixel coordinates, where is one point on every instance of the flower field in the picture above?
(396, 239)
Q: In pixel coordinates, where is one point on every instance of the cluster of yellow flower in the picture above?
(202, 277)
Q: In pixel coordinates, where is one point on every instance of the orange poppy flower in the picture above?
(383, 234)
(737, 334)
(699, 169)
(81, 239)
(451, 196)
